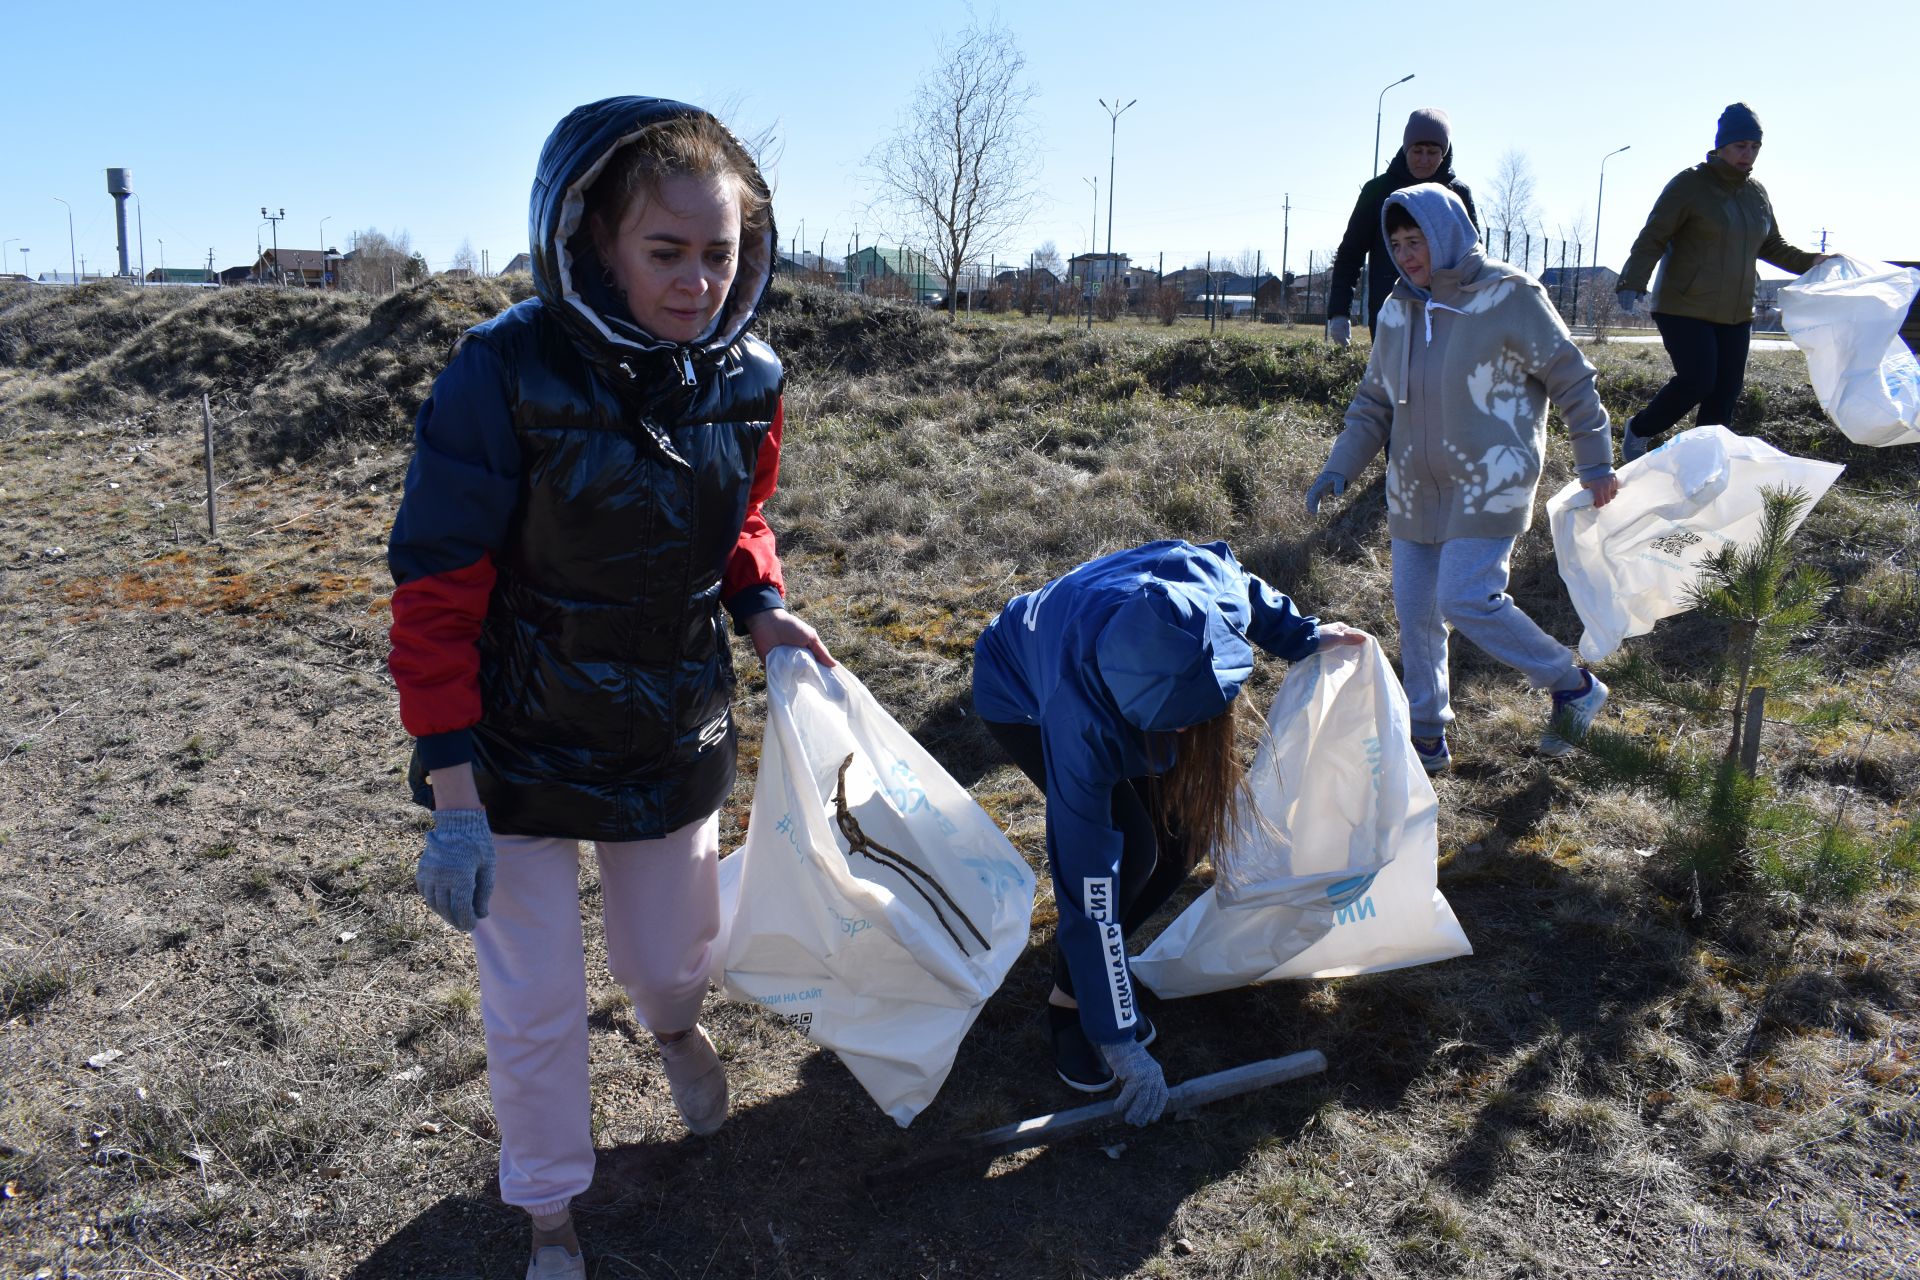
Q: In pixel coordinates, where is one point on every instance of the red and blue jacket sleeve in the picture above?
(461, 489)
(752, 582)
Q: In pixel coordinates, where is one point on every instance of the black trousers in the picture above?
(1709, 370)
(1154, 857)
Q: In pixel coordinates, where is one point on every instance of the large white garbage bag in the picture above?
(1339, 876)
(885, 953)
(1845, 314)
(1631, 563)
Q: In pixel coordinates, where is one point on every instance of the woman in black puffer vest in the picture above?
(585, 497)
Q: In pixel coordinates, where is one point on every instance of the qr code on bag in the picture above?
(801, 1022)
(1676, 544)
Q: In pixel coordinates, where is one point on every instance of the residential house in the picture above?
(521, 263)
(297, 268)
(1097, 268)
(238, 275)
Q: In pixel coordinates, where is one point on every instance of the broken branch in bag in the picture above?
(859, 842)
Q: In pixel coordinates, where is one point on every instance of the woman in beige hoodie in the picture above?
(1468, 352)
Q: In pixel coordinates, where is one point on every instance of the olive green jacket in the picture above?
(1708, 227)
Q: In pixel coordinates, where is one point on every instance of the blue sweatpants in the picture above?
(1463, 583)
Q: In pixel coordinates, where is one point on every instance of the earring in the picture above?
(606, 278)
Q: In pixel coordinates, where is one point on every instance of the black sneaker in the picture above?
(1078, 1063)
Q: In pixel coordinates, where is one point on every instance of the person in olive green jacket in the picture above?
(1708, 227)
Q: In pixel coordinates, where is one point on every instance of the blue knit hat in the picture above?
(1737, 124)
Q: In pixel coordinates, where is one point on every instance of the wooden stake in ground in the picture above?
(206, 421)
(1041, 1130)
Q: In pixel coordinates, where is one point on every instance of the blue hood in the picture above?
(568, 275)
(1443, 219)
(1175, 652)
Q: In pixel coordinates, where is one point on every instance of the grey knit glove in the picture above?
(1339, 331)
(1629, 300)
(456, 867)
(1143, 1086)
(1327, 482)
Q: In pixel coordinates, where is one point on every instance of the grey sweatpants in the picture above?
(1463, 582)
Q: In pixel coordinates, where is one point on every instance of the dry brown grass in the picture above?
(206, 861)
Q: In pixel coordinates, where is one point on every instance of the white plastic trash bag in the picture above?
(1339, 876)
(1632, 562)
(884, 955)
(1845, 314)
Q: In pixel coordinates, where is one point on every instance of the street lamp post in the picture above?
(6, 270)
(1378, 106)
(1113, 138)
(140, 224)
(24, 269)
(279, 276)
(323, 249)
(70, 257)
(1598, 200)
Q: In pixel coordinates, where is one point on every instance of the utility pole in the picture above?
(1286, 228)
(6, 270)
(280, 276)
(1823, 239)
(210, 276)
(140, 227)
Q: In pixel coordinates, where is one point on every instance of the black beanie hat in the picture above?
(1737, 124)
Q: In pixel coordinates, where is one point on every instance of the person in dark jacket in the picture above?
(1425, 155)
(1706, 230)
(1114, 689)
(584, 500)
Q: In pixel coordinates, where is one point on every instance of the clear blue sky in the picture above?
(428, 118)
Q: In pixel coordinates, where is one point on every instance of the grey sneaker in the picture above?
(555, 1263)
(1573, 715)
(1632, 444)
(698, 1081)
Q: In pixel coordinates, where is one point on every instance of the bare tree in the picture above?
(959, 171)
(380, 263)
(1510, 207)
(1047, 258)
(464, 258)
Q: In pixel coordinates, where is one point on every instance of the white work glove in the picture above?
(1339, 331)
(456, 867)
(1143, 1086)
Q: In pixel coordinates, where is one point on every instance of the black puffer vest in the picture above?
(605, 672)
(606, 677)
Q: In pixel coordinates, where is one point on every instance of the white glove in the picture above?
(1339, 331)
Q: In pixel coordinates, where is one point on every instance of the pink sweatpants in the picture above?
(661, 904)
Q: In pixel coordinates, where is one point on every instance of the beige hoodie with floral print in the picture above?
(1456, 391)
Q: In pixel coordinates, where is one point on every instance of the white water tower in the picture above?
(120, 186)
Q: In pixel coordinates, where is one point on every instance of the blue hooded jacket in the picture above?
(1108, 661)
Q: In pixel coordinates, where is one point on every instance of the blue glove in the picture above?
(1143, 1086)
(1327, 482)
(456, 867)
(1629, 299)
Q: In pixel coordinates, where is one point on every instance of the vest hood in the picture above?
(568, 275)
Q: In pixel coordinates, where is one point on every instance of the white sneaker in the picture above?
(555, 1263)
(698, 1081)
(1573, 715)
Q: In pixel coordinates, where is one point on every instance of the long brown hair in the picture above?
(695, 146)
(1202, 792)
